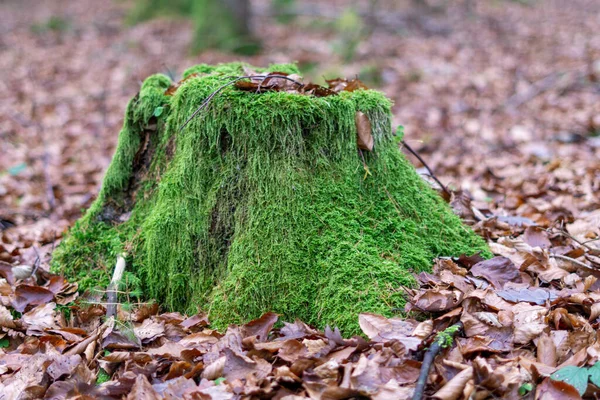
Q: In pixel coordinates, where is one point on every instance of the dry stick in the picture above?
(538, 87)
(414, 153)
(111, 292)
(430, 355)
(572, 260)
(567, 234)
(36, 263)
(213, 94)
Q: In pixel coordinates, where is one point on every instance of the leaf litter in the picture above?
(522, 325)
(528, 179)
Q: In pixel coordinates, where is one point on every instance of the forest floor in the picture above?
(502, 102)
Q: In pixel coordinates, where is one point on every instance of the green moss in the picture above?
(264, 205)
(102, 377)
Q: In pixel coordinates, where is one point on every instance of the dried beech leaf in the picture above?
(26, 295)
(355, 84)
(364, 138)
(498, 271)
(260, 327)
(550, 389)
(454, 388)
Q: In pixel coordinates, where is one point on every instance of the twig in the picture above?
(111, 292)
(538, 87)
(567, 234)
(213, 94)
(535, 90)
(36, 263)
(414, 153)
(430, 355)
(574, 261)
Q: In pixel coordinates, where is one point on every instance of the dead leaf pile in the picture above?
(54, 348)
(528, 312)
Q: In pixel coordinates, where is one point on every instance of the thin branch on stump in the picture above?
(414, 153)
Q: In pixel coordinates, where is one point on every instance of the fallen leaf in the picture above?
(26, 295)
(537, 295)
(574, 376)
(454, 388)
(142, 389)
(546, 350)
(498, 271)
(528, 322)
(535, 236)
(63, 366)
(149, 330)
(260, 327)
(364, 137)
(39, 319)
(550, 389)
(238, 367)
(435, 300)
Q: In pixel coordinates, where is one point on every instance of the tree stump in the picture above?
(263, 202)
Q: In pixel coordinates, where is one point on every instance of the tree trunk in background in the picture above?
(218, 24)
(223, 25)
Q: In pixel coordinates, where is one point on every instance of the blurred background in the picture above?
(501, 97)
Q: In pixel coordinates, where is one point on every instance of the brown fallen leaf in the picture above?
(537, 296)
(26, 295)
(198, 320)
(40, 318)
(215, 369)
(393, 391)
(142, 389)
(536, 236)
(529, 322)
(292, 350)
(498, 271)
(260, 327)
(63, 366)
(379, 328)
(144, 311)
(238, 367)
(546, 350)
(550, 389)
(435, 300)
(149, 330)
(364, 137)
(6, 318)
(454, 388)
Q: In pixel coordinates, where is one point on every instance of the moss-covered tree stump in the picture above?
(262, 203)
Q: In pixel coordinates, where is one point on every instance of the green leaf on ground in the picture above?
(594, 373)
(575, 376)
(525, 388)
(158, 111)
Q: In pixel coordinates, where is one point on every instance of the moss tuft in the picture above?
(262, 204)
